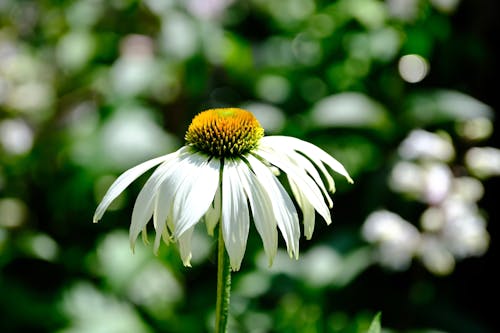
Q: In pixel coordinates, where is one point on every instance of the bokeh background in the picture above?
(403, 92)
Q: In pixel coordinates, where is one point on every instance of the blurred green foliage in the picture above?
(89, 88)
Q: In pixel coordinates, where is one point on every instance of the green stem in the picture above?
(223, 286)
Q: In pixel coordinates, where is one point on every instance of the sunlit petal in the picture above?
(304, 183)
(185, 246)
(306, 208)
(197, 192)
(283, 207)
(287, 152)
(167, 191)
(316, 154)
(124, 180)
(235, 215)
(262, 210)
(212, 215)
(163, 204)
(144, 204)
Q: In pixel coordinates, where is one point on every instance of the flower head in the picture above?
(226, 174)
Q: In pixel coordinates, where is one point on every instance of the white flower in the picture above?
(397, 239)
(224, 174)
(427, 145)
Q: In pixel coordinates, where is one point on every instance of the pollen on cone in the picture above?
(224, 132)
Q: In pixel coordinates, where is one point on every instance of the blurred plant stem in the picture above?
(223, 285)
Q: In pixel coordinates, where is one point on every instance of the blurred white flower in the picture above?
(467, 189)
(430, 182)
(90, 310)
(208, 9)
(433, 219)
(475, 129)
(483, 162)
(452, 226)
(396, 239)
(16, 137)
(426, 145)
(438, 180)
(435, 256)
(271, 117)
(349, 109)
(13, 212)
(413, 68)
(406, 10)
(407, 177)
(465, 231)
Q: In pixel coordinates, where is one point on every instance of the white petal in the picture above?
(304, 183)
(279, 144)
(177, 180)
(262, 210)
(283, 207)
(194, 197)
(315, 153)
(300, 162)
(306, 207)
(235, 215)
(162, 209)
(165, 195)
(144, 234)
(185, 246)
(144, 204)
(212, 215)
(124, 180)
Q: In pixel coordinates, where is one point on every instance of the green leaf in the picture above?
(375, 325)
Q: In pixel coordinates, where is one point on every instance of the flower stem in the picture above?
(223, 286)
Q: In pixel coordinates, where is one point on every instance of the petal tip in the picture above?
(132, 245)
(96, 218)
(270, 263)
(145, 239)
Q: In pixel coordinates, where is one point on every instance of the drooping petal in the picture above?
(299, 159)
(235, 215)
(262, 210)
(194, 197)
(212, 216)
(302, 162)
(316, 154)
(304, 183)
(185, 246)
(144, 235)
(306, 207)
(123, 181)
(283, 207)
(144, 204)
(162, 209)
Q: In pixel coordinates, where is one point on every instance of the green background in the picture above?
(90, 88)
